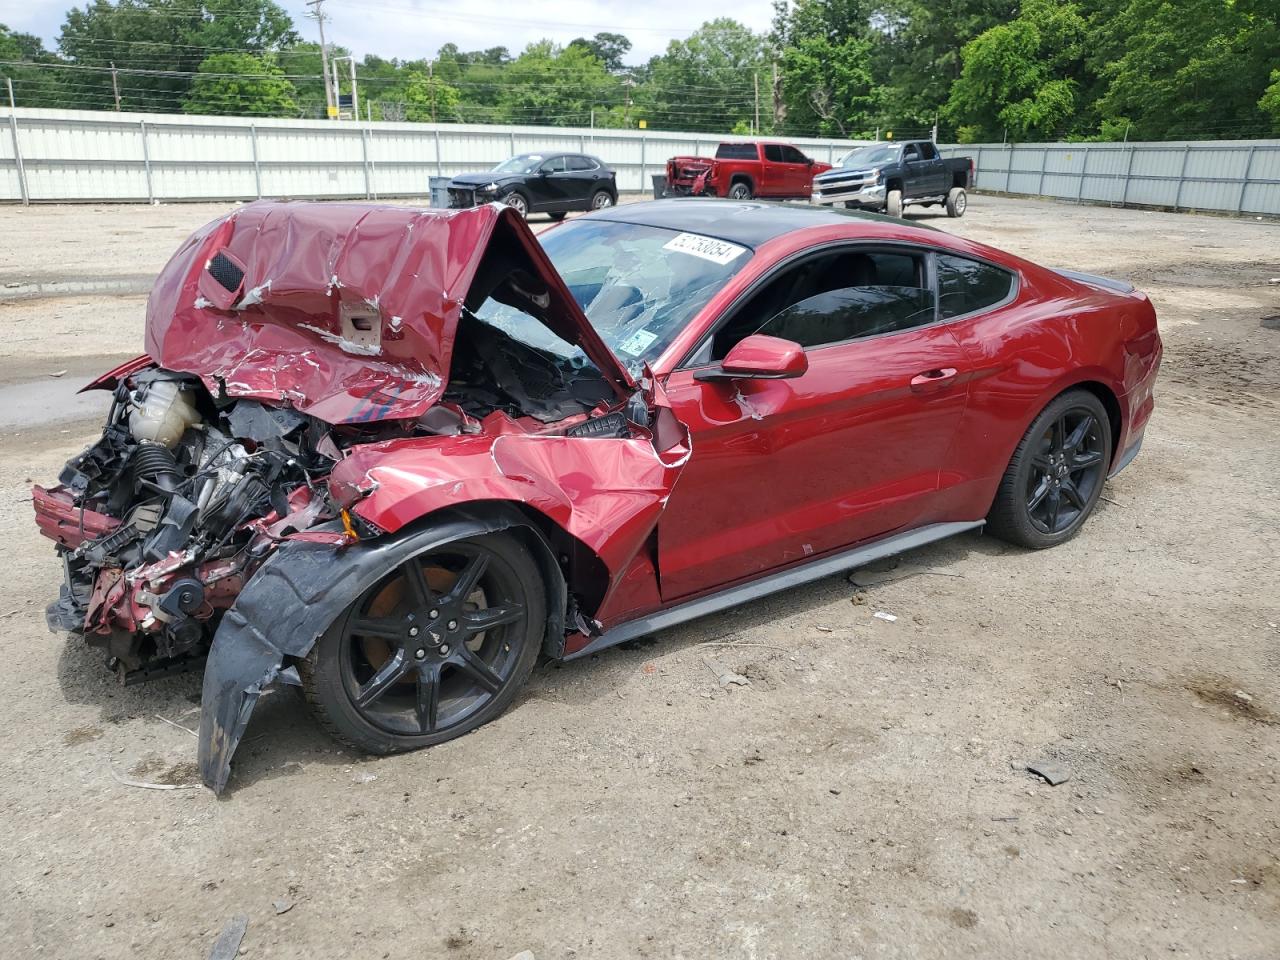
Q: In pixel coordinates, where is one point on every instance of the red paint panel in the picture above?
(349, 311)
(61, 520)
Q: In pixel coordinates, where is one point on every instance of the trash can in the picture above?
(659, 186)
(439, 187)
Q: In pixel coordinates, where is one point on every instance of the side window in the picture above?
(928, 151)
(792, 155)
(967, 286)
(910, 154)
(773, 152)
(829, 299)
(736, 151)
(554, 165)
(581, 163)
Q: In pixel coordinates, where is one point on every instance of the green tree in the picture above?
(164, 35)
(549, 84)
(35, 85)
(707, 81)
(1270, 102)
(240, 83)
(608, 48)
(826, 52)
(1022, 77)
(1192, 69)
(428, 98)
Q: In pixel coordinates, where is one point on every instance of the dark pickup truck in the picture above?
(889, 176)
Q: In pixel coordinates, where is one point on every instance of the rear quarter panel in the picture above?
(1055, 335)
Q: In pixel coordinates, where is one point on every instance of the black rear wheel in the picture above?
(1056, 475)
(439, 646)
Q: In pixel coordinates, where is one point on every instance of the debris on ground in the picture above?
(873, 576)
(58, 373)
(858, 599)
(887, 617)
(723, 674)
(524, 955)
(1052, 772)
(228, 943)
(147, 785)
(282, 906)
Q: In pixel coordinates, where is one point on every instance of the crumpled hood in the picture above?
(347, 312)
(484, 179)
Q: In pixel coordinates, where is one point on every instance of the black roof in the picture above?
(748, 223)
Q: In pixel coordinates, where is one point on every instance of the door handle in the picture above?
(932, 379)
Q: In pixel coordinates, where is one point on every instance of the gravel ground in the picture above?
(864, 796)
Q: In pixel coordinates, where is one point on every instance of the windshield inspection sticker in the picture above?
(637, 343)
(708, 248)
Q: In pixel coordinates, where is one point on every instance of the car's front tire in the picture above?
(518, 202)
(439, 646)
(1055, 477)
(893, 203)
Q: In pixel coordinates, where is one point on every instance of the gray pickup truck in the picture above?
(889, 176)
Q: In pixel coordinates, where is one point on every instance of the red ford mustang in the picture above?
(395, 455)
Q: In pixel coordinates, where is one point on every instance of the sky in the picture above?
(410, 29)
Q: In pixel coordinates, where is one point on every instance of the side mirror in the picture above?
(759, 357)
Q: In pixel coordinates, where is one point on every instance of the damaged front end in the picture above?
(317, 379)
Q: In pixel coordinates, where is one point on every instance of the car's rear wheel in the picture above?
(601, 199)
(741, 190)
(1056, 474)
(957, 202)
(518, 202)
(893, 203)
(436, 648)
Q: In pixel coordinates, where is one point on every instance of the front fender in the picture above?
(291, 601)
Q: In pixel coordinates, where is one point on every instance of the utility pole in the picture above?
(337, 96)
(330, 98)
(12, 104)
(355, 96)
(431, 87)
(755, 79)
(115, 86)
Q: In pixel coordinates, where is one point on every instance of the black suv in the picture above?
(553, 183)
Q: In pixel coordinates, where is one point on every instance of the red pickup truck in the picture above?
(741, 171)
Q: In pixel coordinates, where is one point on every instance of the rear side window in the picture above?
(967, 286)
(581, 163)
(773, 152)
(736, 151)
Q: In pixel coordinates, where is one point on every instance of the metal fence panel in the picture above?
(1237, 176)
(87, 155)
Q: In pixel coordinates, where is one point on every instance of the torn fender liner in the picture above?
(288, 604)
(347, 311)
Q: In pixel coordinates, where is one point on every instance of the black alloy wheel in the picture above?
(1055, 477)
(439, 646)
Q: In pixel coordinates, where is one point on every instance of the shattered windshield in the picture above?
(525, 163)
(869, 156)
(638, 285)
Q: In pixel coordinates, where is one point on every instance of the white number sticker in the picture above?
(708, 248)
(637, 343)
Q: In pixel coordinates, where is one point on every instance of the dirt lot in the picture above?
(864, 796)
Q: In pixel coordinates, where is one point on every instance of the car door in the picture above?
(783, 470)
(582, 175)
(773, 174)
(549, 189)
(915, 172)
(935, 170)
(799, 171)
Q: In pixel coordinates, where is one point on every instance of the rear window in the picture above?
(967, 286)
(736, 151)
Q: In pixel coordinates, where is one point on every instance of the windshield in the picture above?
(524, 163)
(638, 285)
(869, 156)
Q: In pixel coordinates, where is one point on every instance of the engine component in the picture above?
(161, 410)
(154, 468)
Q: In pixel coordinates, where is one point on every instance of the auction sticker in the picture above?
(708, 248)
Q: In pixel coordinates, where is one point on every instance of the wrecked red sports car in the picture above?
(394, 455)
